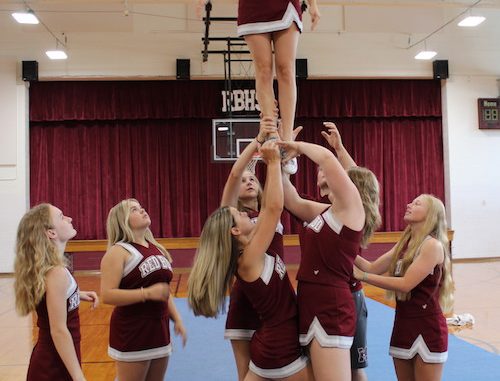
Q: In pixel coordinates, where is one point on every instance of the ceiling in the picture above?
(139, 37)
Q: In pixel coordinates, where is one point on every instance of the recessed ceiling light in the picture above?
(27, 17)
(425, 55)
(472, 21)
(56, 54)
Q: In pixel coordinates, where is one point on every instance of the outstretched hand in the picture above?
(269, 151)
(291, 149)
(90, 296)
(357, 273)
(332, 136)
(267, 128)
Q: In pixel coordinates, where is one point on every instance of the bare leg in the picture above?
(157, 369)
(132, 371)
(241, 351)
(262, 55)
(251, 376)
(303, 375)
(285, 51)
(426, 371)
(330, 363)
(359, 375)
(405, 370)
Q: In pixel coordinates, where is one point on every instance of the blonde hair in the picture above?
(367, 184)
(118, 228)
(36, 254)
(435, 226)
(214, 265)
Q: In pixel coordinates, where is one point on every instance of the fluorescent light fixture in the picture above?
(222, 128)
(472, 21)
(56, 54)
(425, 55)
(27, 17)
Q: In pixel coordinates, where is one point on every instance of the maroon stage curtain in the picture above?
(95, 143)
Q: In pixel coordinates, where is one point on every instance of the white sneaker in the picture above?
(290, 167)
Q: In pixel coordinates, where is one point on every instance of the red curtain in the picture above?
(95, 143)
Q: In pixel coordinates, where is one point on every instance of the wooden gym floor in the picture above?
(477, 293)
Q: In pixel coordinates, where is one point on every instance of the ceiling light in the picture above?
(471, 21)
(222, 128)
(27, 17)
(56, 54)
(425, 55)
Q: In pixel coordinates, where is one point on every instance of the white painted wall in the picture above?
(13, 153)
(473, 168)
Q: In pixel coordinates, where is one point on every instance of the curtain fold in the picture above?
(85, 157)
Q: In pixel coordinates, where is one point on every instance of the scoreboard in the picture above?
(488, 113)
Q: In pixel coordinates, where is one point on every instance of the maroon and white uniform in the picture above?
(242, 320)
(140, 331)
(275, 350)
(419, 325)
(45, 362)
(259, 16)
(326, 308)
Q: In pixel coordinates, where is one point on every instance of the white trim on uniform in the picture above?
(332, 221)
(285, 371)
(419, 347)
(267, 271)
(133, 261)
(288, 18)
(238, 334)
(279, 228)
(317, 332)
(72, 284)
(147, 354)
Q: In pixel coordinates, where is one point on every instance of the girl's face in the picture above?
(63, 229)
(249, 187)
(242, 222)
(416, 211)
(138, 218)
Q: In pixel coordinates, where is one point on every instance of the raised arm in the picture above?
(431, 254)
(232, 186)
(348, 205)
(57, 283)
(303, 209)
(335, 141)
(269, 216)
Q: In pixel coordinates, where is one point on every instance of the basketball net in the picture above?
(253, 162)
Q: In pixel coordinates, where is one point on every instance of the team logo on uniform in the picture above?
(154, 263)
(316, 224)
(362, 355)
(280, 267)
(74, 301)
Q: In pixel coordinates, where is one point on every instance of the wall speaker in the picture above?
(30, 71)
(301, 68)
(440, 69)
(183, 69)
